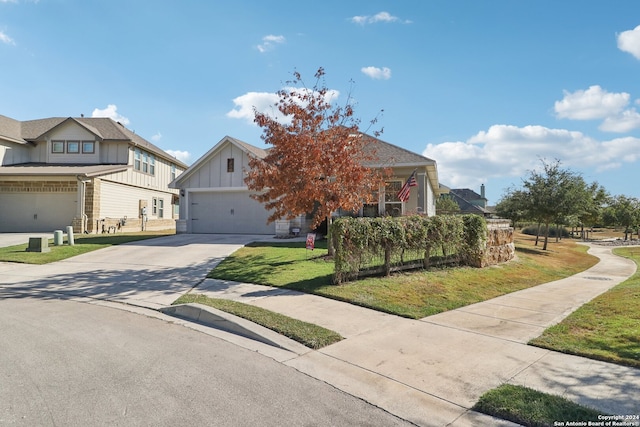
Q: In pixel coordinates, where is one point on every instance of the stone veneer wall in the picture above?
(500, 244)
(38, 186)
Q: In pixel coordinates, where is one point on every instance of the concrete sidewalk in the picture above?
(433, 370)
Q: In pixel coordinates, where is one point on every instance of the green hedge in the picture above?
(382, 244)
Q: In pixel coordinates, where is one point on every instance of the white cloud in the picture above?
(383, 73)
(378, 17)
(111, 112)
(244, 105)
(629, 41)
(269, 42)
(623, 122)
(183, 156)
(265, 102)
(593, 103)
(157, 137)
(4, 38)
(510, 151)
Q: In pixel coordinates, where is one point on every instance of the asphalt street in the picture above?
(66, 362)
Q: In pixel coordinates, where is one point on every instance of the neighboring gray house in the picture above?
(215, 199)
(469, 201)
(91, 173)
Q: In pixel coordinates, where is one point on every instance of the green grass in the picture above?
(528, 407)
(414, 294)
(308, 334)
(83, 243)
(607, 328)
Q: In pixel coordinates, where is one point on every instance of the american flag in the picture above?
(405, 191)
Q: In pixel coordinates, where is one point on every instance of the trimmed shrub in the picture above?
(381, 245)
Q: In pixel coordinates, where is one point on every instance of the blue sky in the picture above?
(485, 88)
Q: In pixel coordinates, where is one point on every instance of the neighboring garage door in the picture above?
(227, 212)
(41, 212)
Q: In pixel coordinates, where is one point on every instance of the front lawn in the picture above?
(83, 243)
(529, 407)
(308, 334)
(413, 294)
(606, 328)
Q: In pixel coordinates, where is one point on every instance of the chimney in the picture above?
(482, 191)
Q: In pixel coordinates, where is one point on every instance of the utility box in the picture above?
(38, 244)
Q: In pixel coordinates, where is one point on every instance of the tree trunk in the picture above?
(546, 236)
(537, 234)
(330, 248)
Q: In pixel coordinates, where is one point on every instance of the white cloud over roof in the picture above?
(504, 150)
(183, 156)
(629, 41)
(111, 112)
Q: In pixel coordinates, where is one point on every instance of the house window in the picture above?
(152, 164)
(160, 208)
(392, 205)
(57, 147)
(230, 165)
(73, 147)
(154, 206)
(144, 162)
(88, 147)
(136, 159)
(173, 171)
(372, 209)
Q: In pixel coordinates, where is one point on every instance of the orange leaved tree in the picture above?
(316, 156)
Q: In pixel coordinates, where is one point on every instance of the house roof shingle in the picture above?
(40, 169)
(104, 128)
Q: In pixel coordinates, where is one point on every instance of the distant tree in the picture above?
(445, 205)
(315, 164)
(624, 211)
(592, 211)
(552, 195)
(514, 206)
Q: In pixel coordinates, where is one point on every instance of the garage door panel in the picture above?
(38, 212)
(228, 212)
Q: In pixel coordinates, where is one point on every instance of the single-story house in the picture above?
(215, 199)
(90, 173)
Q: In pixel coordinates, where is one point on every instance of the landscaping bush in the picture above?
(381, 245)
(554, 231)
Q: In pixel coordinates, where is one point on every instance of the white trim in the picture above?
(216, 189)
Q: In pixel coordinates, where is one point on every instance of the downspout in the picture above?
(83, 191)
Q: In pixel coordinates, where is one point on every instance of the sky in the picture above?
(488, 89)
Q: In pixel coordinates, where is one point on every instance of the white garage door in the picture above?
(41, 212)
(228, 212)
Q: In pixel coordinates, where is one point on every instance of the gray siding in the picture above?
(12, 153)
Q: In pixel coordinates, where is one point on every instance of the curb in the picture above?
(217, 319)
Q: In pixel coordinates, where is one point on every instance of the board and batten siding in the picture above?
(118, 200)
(213, 174)
(114, 153)
(11, 154)
(159, 181)
(72, 132)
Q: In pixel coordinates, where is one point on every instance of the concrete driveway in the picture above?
(148, 273)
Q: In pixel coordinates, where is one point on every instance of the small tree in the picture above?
(316, 162)
(445, 205)
(624, 211)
